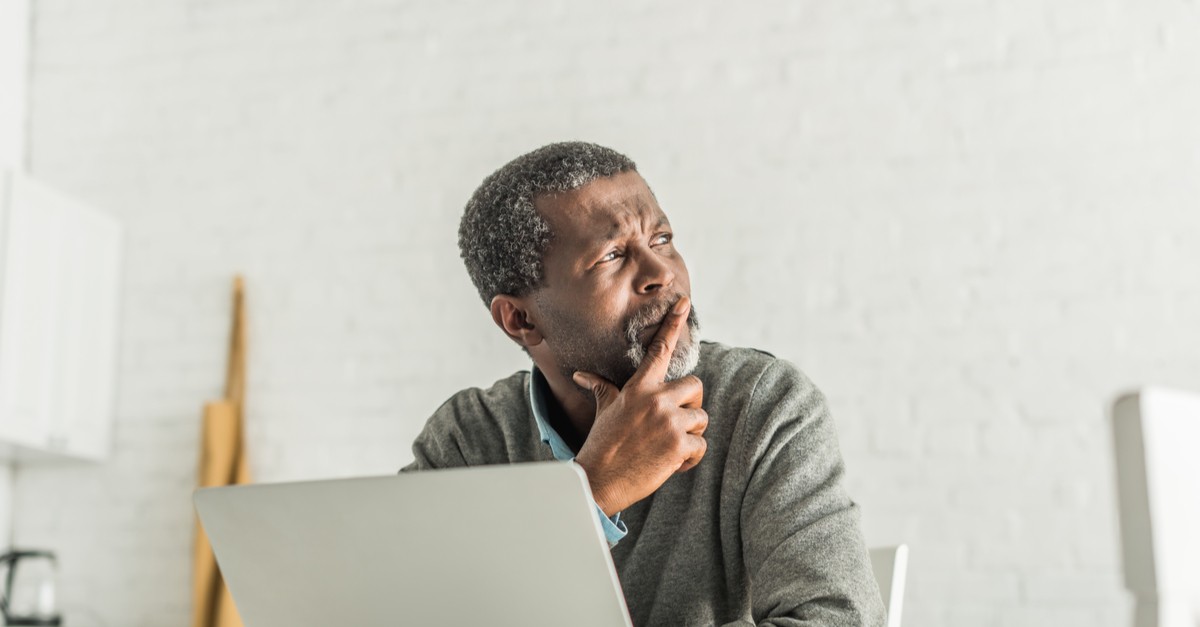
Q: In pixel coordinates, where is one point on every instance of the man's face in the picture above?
(611, 275)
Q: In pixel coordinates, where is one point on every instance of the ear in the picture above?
(512, 316)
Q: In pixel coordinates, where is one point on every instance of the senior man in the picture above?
(715, 470)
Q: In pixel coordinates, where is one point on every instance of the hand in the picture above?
(646, 431)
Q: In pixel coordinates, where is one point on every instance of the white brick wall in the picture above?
(971, 222)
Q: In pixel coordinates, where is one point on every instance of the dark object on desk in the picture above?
(29, 591)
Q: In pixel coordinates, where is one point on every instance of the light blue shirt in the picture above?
(614, 529)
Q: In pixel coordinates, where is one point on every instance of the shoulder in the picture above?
(474, 424)
(752, 368)
(475, 404)
(772, 411)
(759, 385)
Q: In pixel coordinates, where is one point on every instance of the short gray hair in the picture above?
(502, 238)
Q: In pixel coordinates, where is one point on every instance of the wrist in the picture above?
(602, 492)
(605, 503)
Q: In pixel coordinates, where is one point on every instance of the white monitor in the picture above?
(1157, 438)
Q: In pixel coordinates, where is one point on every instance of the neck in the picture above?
(570, 405)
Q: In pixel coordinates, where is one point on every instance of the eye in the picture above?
(664, 238)
(610, 256)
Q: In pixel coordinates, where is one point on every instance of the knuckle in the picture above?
(692, 385)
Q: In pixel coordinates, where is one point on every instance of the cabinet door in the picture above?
(58, 323)
(88, 276)
(28, 315)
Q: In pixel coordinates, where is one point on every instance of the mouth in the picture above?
(652, 320)
(648, 333)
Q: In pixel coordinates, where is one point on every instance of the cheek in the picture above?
(611, 316)
(586, 310)
(609, 308)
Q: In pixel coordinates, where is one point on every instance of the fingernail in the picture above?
(681, 306)
(579, 380)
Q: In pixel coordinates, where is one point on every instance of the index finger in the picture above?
(658, 354)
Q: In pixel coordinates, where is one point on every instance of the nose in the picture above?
(654, 274)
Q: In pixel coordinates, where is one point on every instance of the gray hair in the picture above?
(502, 238)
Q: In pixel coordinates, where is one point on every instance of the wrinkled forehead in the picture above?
(600, 211)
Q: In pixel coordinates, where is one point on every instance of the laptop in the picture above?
(516, 545)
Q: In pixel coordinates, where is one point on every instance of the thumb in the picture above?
(601, 387)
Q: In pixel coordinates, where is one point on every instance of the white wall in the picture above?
(14, 73)
(14, 69)
(971, 222)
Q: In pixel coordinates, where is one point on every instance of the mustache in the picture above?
(648, 316)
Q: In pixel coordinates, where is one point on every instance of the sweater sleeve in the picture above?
(801, 537)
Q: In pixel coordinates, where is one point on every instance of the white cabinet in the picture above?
(59, 277)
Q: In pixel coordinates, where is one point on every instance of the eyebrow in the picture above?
(613, 232)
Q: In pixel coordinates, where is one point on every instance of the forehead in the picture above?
(599, 211)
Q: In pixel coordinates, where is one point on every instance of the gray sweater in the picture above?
(760, 532)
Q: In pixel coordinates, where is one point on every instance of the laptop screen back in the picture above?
(511, 545)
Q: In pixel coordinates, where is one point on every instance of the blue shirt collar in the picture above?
(614, 528)
(538, 389)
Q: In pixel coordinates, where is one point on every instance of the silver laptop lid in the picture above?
(515, 545)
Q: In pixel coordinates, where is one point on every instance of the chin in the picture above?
(683, 361)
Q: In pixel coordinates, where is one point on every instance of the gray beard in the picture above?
(683, 361)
